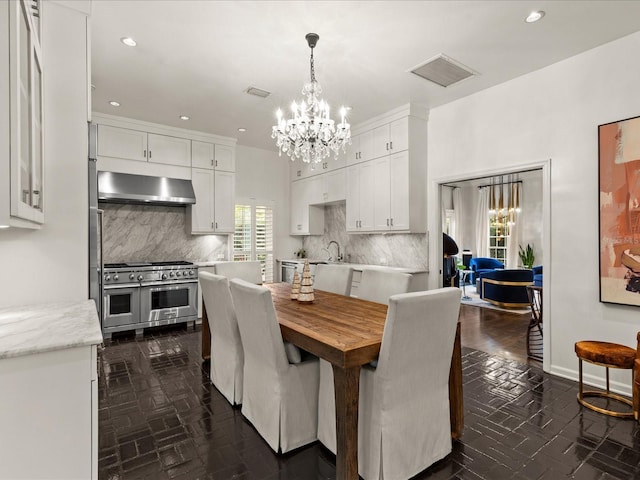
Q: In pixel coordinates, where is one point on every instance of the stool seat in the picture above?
(605, 353)
(608, 355)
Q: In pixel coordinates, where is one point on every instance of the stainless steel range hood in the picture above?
(141, 189)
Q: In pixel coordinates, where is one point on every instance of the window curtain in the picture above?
(482, 223)
(515, 230)
(457, 218)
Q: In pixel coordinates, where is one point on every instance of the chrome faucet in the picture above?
(339, 257)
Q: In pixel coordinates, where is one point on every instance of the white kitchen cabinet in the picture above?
(361, 193)
(391, 138)
(22, 131)
(334, 186)
(213, 156)
(391, 207)
(361, 148)
(129, 144)
(169, 150)
(224, 202)
(213, 211)
(59, 425)
(122, 143)
(305, 218)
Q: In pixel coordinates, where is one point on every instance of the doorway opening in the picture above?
(510, 221)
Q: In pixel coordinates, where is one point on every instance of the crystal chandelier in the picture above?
(310, 134)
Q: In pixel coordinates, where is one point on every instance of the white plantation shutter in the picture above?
(253, 237)
(242, 234)
(264, 240)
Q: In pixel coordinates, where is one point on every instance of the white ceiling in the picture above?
(198, 57)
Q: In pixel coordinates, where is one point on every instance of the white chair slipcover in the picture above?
(227, 356)
(379, 285)
(403, 422)
(247, 271)
(280, 399)
(333, 278)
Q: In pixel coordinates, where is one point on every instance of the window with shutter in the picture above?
(253, 236)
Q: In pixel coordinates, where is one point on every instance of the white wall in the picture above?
(262, 174)
(51, 264)
(552, 114)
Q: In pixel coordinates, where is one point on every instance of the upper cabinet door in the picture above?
(225, 158)
(399, 135)
(169, 150)
(366, 145)
(202, 212)
(224, 192)
(381, 141)
(353, 151)
(202, 155)
(400, 208)
(122, 143)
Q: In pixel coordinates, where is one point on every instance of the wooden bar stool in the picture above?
(608, 355)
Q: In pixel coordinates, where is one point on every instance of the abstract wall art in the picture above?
(619, 179)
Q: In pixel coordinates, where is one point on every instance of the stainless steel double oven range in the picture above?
(139, 295)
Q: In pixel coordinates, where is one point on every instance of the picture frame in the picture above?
(619, 211)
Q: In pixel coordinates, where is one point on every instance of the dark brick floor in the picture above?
(160, 418)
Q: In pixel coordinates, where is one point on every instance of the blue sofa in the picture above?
(506, 288)
(481, 265)
(537, 276)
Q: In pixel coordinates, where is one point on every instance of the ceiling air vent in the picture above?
(443, 70)
(258, 92)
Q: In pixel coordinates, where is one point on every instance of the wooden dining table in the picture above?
(347, 332)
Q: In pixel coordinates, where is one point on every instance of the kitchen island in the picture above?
(48, 380)
(419, 276)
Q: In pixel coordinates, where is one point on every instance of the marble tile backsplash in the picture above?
(393, 249)
(149, 233)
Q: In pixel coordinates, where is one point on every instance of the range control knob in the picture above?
(115, 277)
(140, 277)
(164, 276)
(171, 274)
(191, 272)
(107, 277)
(177, 274)
(132, 276)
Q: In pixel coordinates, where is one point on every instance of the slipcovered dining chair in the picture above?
(227, 356)
(379, 285)
(333, 278)
(247, 271)
(403, 418)
(280, 398)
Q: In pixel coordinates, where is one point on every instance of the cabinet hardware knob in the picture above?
(144, 153)
(216, 224)
(212, 162)
(212, 225)
(392, 222)
(387, 222)
(216, 163)
(149, 153)
(387, 146)
(391, 145)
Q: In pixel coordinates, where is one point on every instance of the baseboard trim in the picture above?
(593, 380)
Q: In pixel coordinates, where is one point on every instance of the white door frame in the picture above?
(434, 219)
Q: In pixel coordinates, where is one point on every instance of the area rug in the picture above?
(475, 301)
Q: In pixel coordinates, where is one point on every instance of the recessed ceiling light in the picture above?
(128, 41)
(184, 117)
(242, 129)
(113, 103)
(534, 16)
(4, 226)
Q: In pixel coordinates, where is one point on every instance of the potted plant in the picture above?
(526, 256)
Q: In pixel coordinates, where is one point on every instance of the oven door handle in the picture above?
(167, 284)
(121, 286)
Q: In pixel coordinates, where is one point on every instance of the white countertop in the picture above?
(358, 266)
(52, 326)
